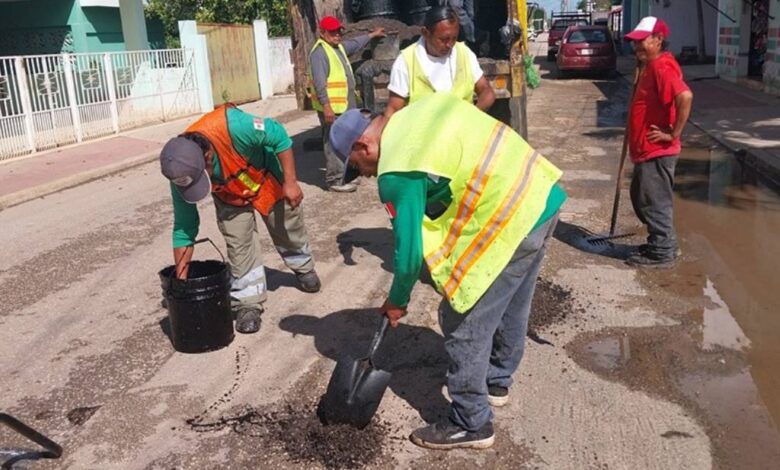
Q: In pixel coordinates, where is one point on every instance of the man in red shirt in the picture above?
(657, 116)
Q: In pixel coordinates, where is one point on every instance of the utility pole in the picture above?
(564, 5)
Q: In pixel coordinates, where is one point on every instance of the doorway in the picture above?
(759, 28)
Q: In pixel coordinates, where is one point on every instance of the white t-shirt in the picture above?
(439, 70)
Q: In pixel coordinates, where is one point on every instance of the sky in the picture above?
(550, 5)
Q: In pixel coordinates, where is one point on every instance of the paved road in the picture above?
(86, 359)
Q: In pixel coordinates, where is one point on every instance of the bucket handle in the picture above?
(201, 240)
(212, 244)
(380, 333)
(53, 450)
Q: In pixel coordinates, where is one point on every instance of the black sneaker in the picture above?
(309, 282)
(645, 249)
(498, 396)
(248, 319)
(650, 262)
(447, 435)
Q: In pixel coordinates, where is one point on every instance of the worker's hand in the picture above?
(330, 116)
(657, 136)
(292, 193)
(392, 312)
(377, 33)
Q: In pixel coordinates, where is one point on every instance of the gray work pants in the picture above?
(486, 343)
(239, 227)
(652, 194)
(334, 167)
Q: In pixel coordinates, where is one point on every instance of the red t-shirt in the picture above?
(653, 104)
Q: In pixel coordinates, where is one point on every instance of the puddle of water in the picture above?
(609, 352)
(728, 217)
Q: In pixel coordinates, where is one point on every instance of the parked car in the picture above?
(560, 22)
(587, 49)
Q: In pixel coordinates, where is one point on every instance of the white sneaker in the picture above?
(343, 188)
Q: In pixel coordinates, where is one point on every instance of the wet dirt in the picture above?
(720, 362)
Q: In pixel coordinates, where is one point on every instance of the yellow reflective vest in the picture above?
(499, 188)
(420, 85)
(338, 89)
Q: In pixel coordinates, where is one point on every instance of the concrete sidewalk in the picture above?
(745, 121)
(48, 172)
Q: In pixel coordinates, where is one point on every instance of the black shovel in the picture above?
(355, 388)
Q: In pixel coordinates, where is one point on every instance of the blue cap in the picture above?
(344, 132)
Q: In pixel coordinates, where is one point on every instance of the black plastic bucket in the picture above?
(367, 9)
(199, 307)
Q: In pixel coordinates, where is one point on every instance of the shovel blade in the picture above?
(354, 392)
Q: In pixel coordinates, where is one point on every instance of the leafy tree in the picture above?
(170, 12)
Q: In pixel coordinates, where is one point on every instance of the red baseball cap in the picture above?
(647, 26)
(330, 23)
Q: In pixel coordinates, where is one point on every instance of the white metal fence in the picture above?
(52, 100)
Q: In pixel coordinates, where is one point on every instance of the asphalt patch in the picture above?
(552, 304)
(81, 415)
(295, 430)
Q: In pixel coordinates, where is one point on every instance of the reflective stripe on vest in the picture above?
(499, 190)
(244, 184)
(337, 85)
(420, 85)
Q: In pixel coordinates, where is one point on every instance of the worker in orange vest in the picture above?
(246, 163)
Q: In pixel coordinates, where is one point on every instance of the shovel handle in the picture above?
(53, 450)
(380, 333)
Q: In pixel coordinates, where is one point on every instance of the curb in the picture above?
(19, 197)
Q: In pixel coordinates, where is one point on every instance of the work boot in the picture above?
(645, 249)
(498, 396)
(343, 188)
(309, 281)
(447, 435)
(650, 261)
(248, 319)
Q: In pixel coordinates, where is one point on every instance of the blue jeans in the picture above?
(486, 343)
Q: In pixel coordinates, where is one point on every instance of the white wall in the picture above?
(683, 22)
(281, 64)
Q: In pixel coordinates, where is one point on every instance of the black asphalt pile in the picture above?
(406, 34)
(296, 431)
(551, 305)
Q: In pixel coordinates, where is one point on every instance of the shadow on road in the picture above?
(415, 355)
(377, 241)
(577, 237)
(309, 158)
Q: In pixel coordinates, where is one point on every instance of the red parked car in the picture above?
(587, 49)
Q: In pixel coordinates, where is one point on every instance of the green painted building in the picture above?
(55, 26)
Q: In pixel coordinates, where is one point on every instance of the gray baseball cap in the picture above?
(344, 132)
(182, 161)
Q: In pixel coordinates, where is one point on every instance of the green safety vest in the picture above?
(338, 88)
(499, 189)
(420, 85)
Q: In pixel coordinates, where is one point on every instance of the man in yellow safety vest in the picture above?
(332, 86)
(471, 198)
(438, 63)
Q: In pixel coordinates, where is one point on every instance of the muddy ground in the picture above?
(621, 371)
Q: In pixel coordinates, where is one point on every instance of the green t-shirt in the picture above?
(410, 195)
(259, 140)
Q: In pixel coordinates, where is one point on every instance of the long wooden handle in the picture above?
(623, 154)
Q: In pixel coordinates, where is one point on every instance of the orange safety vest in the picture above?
(244, 184)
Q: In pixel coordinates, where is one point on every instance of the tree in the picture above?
(170, 12)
